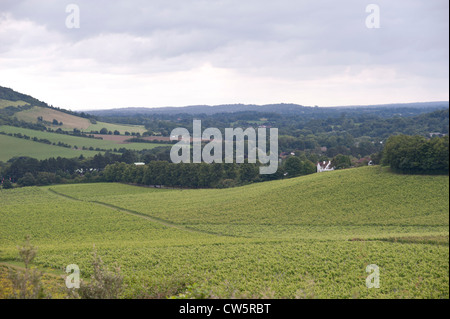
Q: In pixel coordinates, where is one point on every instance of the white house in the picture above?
(324, 166)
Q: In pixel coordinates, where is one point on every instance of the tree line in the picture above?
(417, 155)
(110, 167)
(202, 175)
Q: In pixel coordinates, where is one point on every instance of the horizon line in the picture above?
(246, 104)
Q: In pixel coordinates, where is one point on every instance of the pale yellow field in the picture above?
(6, 103)
(71, 121)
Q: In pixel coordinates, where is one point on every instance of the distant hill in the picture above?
(281, 108)
(15, 106)
(9, 97)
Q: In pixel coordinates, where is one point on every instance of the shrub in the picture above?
(27, 180)
(104, 284)
(26, 283)
(7, 184)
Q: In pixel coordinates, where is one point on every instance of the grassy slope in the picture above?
(11, 147)
(6, 103)
(325, 265)
(122, 128)
(357, 202)
(74, 140)
(70, 121)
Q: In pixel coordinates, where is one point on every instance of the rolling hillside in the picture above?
(364, 201)
(15, 147)
(78, 141)
(27, 116)
(6, 103)
(10, 97)
(306, 237)
(71, 122)
(32, 109)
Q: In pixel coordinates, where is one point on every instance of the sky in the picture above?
(102, 54)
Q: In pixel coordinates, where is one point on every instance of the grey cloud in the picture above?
(285, 38)
(208, 25)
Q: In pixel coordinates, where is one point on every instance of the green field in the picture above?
(305, 237)
(77, 141)
(71, 121)
(122, 128)
(14, 147)
(6, 103)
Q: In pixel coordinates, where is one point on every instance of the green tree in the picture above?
(45, 178)
(341, 161)
(114, 172)
(248, 172)
(27, 180)
(217, 173)
(230, 171)
(205, 175)
(308, 167)
(129, 157)
(416, 154)
(439, 154)
(293, 166)
(129, 174)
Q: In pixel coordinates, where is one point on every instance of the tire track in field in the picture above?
(141, 215)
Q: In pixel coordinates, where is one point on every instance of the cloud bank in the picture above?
(187, 52)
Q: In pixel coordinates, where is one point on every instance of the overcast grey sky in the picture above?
(188, 52)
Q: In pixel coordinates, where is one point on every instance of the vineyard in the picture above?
(305, 237)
